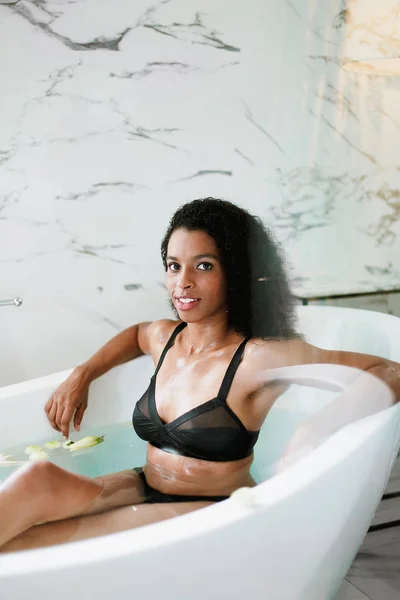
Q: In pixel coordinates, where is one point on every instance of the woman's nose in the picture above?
(185, 279)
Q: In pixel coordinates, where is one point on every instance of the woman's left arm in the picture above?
(387, 370)
(350, 405)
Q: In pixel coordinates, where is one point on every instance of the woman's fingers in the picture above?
(67, 401)
(66, 420)
(79, 416)
(48, 405)
(51, 415)
(60, 419)
(60, 416)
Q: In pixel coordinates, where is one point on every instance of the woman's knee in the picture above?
(56, 493)
(42, 473)
(26, 485)
(30, 474)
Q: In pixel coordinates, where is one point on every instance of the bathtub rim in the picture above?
(218, 516)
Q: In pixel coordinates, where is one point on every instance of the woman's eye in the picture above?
(173, 266)
(205, 266)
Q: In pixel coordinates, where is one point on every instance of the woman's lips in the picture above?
(188, 305)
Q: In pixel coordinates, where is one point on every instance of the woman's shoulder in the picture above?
(263, 355)
(160, 331)
(274, 353)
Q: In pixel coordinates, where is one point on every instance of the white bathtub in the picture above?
(295, 543)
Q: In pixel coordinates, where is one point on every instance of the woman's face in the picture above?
(196, 282)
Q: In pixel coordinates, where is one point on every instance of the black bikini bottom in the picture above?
(153, 496)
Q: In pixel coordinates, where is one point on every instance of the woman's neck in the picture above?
(211, 335)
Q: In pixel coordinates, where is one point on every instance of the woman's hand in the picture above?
(69, 400)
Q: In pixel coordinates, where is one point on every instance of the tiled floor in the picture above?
(375, 572)
(349, 592)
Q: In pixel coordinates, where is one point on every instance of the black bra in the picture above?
(210, 431)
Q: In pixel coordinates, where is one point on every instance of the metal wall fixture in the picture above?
(17, 301)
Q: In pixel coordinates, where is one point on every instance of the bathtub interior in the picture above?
(111, 400)
(331, 328)
(112, 396)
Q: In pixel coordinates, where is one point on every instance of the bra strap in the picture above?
(170, 343)
(231, 371)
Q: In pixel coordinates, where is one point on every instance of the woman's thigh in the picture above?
(113, 521)
(118, 489)
(49, 493)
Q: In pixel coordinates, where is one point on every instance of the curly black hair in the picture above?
(259, 300)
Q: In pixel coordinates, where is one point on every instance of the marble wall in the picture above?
(114, 112)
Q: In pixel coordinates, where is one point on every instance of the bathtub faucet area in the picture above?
(17, 301)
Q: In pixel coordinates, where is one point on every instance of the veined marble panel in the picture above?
(112, 114)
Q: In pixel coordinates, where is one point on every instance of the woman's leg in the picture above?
(80, 528)
(42, 492)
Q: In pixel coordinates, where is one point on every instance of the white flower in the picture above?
(87, 442)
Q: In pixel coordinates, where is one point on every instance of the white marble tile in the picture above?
(115, 114)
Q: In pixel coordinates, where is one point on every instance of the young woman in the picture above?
(205, 404)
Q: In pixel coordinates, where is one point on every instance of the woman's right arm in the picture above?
(71, 397)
